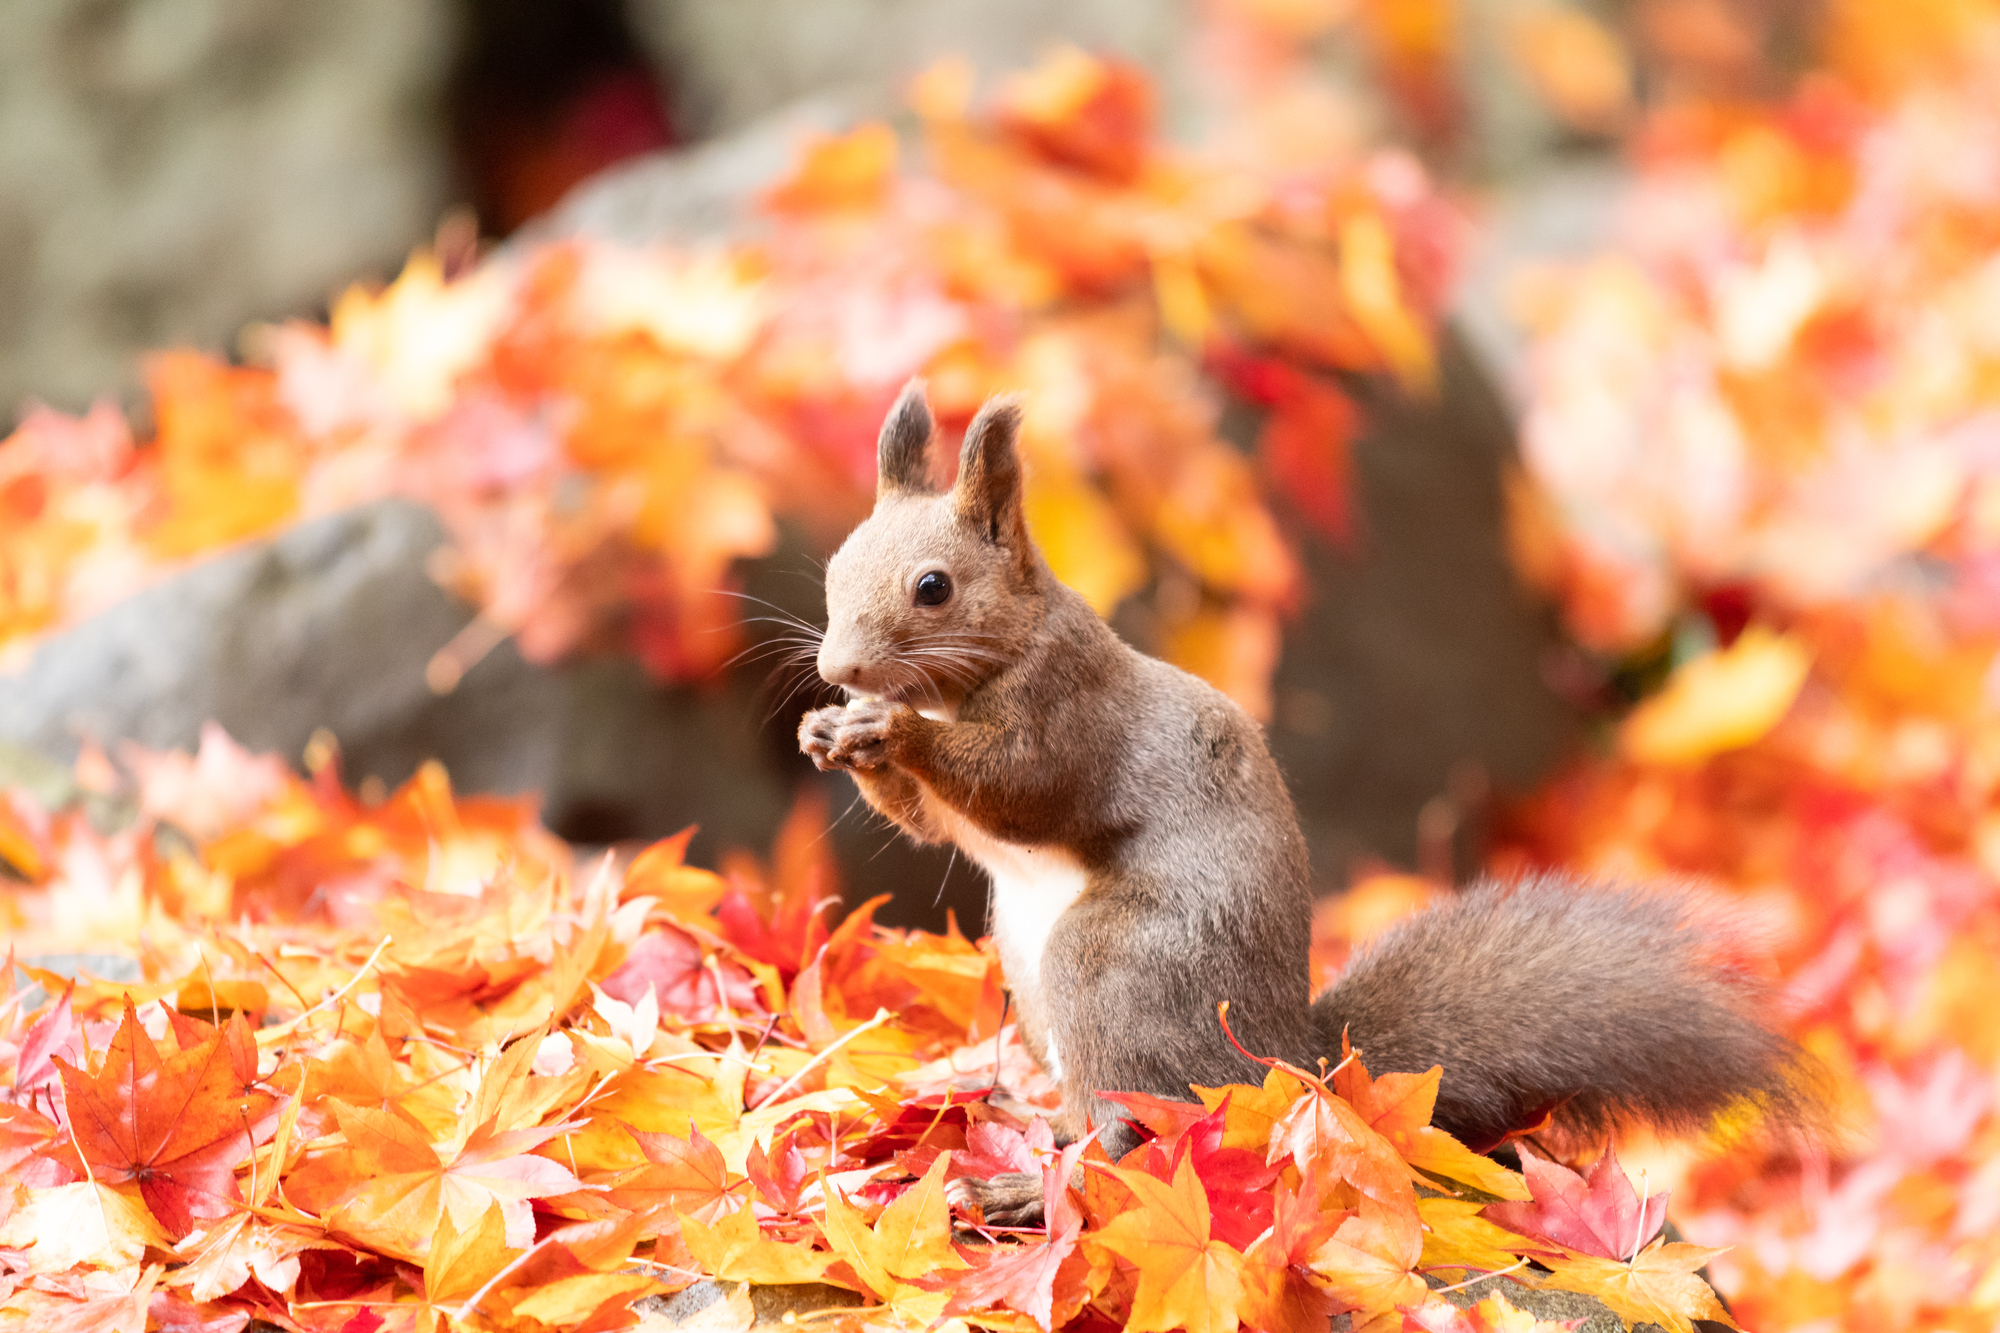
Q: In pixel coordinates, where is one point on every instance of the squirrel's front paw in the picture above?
(816, 736)
(855, 736)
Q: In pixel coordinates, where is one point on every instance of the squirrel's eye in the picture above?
(934, 588)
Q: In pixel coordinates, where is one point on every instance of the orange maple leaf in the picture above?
(402, 1185)
(1399, 1107)
(178, 1124)
(1370, 1264)
(682, 1175)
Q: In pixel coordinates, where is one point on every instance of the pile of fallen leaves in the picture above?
(605, 432)
(406, 1065)
(1764, 446)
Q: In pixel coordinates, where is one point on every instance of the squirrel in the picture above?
(1146, 861)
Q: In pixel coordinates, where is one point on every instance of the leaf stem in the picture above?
(1498, 1272)
(881, 1016)
(291, 1025)
(472, 1302)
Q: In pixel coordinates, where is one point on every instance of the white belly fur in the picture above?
(1032, 888)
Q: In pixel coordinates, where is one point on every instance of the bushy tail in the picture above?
(1588, 1005)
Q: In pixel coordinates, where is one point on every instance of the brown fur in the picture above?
(1049, 732)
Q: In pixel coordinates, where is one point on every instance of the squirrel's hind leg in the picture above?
(1128, 1000)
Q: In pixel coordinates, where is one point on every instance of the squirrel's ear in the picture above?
(903, 453)
(989, 471)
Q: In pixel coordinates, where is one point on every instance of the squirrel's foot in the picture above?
(1013, 1199)
(854, 735)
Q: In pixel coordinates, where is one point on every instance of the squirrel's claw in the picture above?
(849, 736)
(818, 738)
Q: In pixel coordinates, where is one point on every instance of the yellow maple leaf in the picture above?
(733, 1247)
(402, 1183)
(1456, 1236)
(65, 1226)
(1253, 1114)
(1375, 295)
(1659, 1286)
(461, 1262)
(1186, 1280)
(1722, 700)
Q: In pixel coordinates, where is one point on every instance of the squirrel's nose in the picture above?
(837, 671)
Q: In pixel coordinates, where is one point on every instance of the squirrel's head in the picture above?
(935, 591)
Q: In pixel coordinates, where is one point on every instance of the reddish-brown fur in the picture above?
(1148, 863)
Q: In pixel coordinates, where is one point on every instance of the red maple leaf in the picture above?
(782, 1174)
(1035, 1278)
(1596, 1214)
(34, 1068)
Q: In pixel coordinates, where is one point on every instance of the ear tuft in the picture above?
(989, 472)
(902, 453)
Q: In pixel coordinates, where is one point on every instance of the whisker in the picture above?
(757, 652)
(788, 617)
(948, 866)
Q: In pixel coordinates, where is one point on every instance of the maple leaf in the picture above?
(234, 1250)
(401, 1185)
(668, 963)
(1599, 1214)
(682, 1175)
(733, 1247)
(1325, 1135)
(178, 1125)
(1399, 1107)
(1660, 1285)
(459, 1262)
(1279, 1294)
(85, 1223)
(993, 1149)
(835, 173)
(1251, 1114)
(661, 871)
(1186, 1279)
(1721, 701)
(1234, 1179)
(120, 1303)
(1043, 1279)
(909, 1242)
(31, 1148)
(1370, 1262)
(551, 1289)
(34, 1067)
(781, 1174)
(1456, 1236)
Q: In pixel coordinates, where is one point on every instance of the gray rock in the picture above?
(331, 624)
(171, 168)
(692, 195)
(1543, 1303)
(731, 62)
(770, 1304)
